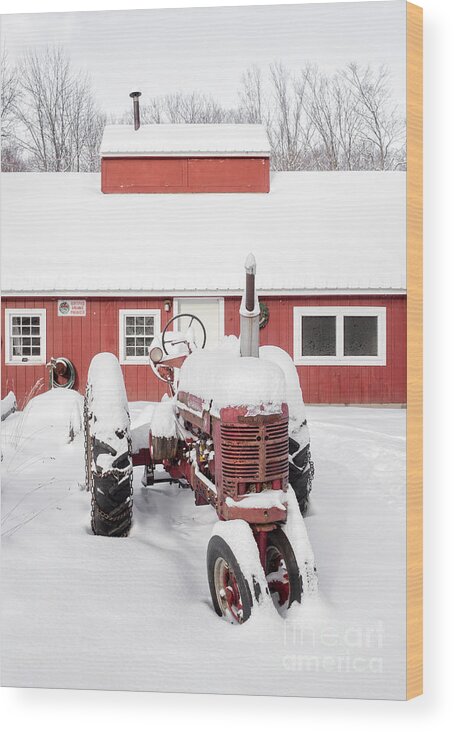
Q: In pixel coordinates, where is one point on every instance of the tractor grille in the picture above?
(254, 452)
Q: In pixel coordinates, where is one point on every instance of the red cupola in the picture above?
(185, 158)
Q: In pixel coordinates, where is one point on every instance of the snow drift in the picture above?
(59, 410)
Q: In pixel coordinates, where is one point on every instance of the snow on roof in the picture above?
(314, 231)
(185, 139)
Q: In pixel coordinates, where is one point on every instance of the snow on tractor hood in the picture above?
(223, 378)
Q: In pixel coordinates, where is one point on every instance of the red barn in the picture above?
(85, 269)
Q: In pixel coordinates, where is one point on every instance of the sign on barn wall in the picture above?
(72, 307)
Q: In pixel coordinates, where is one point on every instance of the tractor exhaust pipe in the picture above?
(135, 104)
(249, 313)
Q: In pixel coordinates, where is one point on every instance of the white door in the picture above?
(210, 310)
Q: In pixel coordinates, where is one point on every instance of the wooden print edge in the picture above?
(414, 527)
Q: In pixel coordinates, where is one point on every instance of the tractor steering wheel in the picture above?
(173, 342)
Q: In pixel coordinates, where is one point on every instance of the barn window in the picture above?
(319, 335)
(137, 330)
(25, 336)
(343, 336)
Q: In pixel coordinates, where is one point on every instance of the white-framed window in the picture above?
(137, 330)
(25, 336)
(342, 336)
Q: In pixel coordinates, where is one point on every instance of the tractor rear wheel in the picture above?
(108, 454)
(301, 473)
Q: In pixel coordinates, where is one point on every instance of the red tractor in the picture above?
(233, 429)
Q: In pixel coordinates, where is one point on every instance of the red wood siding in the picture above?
(80, 338)
(185, 175)
(339, 384)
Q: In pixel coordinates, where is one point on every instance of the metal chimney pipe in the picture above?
(135, 103)
(250, 267)
(249, 313)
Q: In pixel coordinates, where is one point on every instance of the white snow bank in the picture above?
(59, 410)
(141, 414)
(8, 406)
(357, 530)
(228, 380)
(163, 422)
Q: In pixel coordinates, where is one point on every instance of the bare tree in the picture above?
(339, 122)
(9, 95)
(348, 124)
(285, 124)
(56, 116)
(86, 126)
(12, 159)
(315, 121)
(252, 108)
(94, 127)
(382, 128)
(320, 105)
(193, 109)
(150, 113)
(180, 108)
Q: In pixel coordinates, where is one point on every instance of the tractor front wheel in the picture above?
(282, 571)
(230, 591)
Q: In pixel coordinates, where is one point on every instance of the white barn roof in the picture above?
(322, 231)
(185, 139)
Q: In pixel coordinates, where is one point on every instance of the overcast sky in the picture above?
(207, 49)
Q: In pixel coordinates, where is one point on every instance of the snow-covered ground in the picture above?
(89, 612)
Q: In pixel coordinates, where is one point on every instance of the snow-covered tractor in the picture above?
(232, 428)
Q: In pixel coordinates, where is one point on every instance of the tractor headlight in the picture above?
(156, 354)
